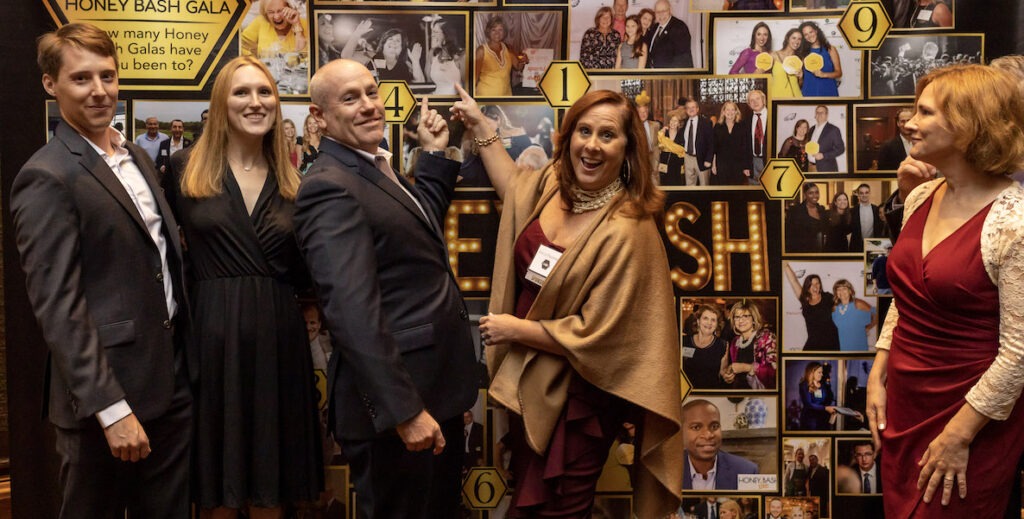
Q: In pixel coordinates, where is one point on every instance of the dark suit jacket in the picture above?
(831, 146)
(819, 485)
(704, 142)
(671, 49)
(475, 455)
(891, 154)
(95, 281)
(857, 237)
(163, 155)
(398, 324)
(729, 466)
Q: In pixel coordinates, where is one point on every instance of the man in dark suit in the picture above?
(403, 369)
(818, 482)
(171, 146)
(702, 437)
(699, 141)
(473, 441)
(100, 251)
(895, 150)
(867, 223)
(866, 468)
(670, 44)
(829, 139)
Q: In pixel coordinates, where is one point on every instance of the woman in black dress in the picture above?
(731, 165)
(816, 306)
(257, 435)
(703, 349)
(838, 224)
(805, 222)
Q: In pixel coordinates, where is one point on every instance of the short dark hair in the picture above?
(50, 47)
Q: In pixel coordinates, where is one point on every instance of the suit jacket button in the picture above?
(167, 323)
(159, 276)
(463, 313)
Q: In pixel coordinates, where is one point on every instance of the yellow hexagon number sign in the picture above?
(781, 178)
(398, 101)
(865, 24)
(563, 83)
(483, 488)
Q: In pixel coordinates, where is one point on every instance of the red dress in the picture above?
(562, 482)
(946, 338)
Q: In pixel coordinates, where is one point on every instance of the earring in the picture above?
(625, 172)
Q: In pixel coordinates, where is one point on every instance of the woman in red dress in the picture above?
(943, 388)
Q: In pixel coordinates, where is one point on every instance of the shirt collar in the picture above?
(711, 473)
(372, 157)
(117, 140)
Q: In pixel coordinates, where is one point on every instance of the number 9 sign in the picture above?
(865, 24)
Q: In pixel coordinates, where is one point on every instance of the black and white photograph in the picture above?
(904, 59)
(805, 57)
(815, 135)
(822, 310)
(923, 14)
(651, 34)
(738, 437)
(729, 343)
(512, 49)
(428, 51)
(881, 135)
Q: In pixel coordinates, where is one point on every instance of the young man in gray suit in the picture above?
(102, 260)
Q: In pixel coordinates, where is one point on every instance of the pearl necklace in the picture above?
(743, 343)
(843, 308)
(583, 201)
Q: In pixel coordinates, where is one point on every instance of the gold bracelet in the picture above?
(480, 143)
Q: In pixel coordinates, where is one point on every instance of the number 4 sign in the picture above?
(399, 101)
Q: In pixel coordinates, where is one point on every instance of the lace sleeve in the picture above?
(1002, 249)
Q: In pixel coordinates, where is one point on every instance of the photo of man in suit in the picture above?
(818, 482)
(699, 142)
(866, 468)
(896, 149)
(866, 221)
(670, 45)
(757, 126)
(705, 465)
(829, 139)
(403, 369)
(473, 442)
(171, 146)
(102, 259)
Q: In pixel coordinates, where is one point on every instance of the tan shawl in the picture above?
(608, 301)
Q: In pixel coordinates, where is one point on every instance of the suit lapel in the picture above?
(374, 176)
(170, 224)
(95, 165)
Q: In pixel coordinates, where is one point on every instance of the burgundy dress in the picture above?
(562, 482)
(946, 337)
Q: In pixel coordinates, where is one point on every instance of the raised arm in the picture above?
(497, 162)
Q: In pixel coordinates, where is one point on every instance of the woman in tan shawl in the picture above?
(581, 335)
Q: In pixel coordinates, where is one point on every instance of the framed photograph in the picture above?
(673, 35)
(912, 14)
(835, 216)
(854, 392)
(512, 49)
(876, 255)
(806, 469)
(795, 507)
(277, 32)
(773, 46)
(815, 135)
(719, 332)
(164, 127)
(818, 5)
(340, 499)
(741, 506)
(744, 443)
(882, 139)
(822, 310)
(858, 469)
(904, 59)
(428, 51)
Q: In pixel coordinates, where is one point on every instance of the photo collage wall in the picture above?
(779, 302)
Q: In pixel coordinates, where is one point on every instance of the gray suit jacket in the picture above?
(95, 281)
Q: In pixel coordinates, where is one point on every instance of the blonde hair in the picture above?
(985, 113)
(204, 174)
(721, 113)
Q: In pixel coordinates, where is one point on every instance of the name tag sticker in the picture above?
(688, 352)
(924, 15)
(542, 264)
